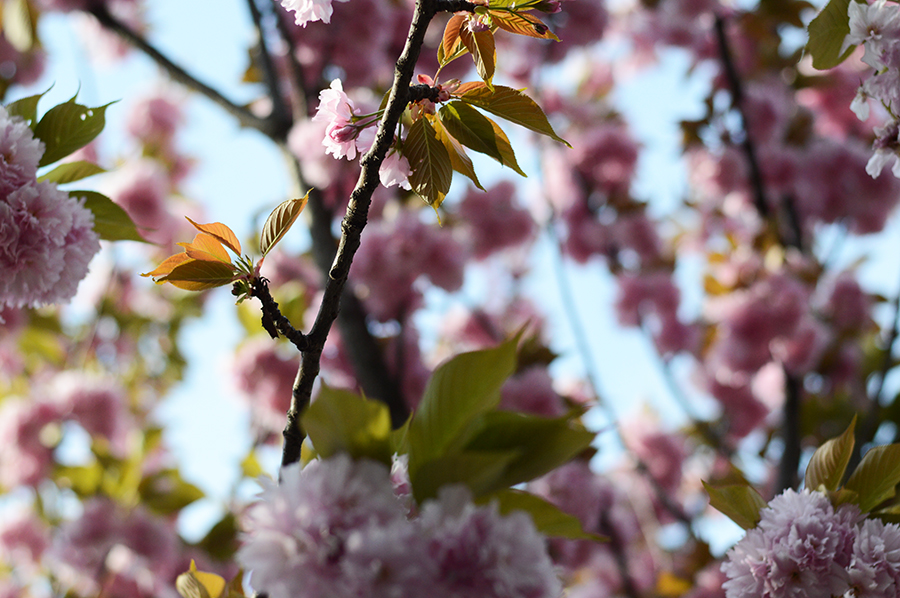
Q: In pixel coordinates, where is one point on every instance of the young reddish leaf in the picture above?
(739, 502)
(68, 127)
(826, 35)
(478, 133)
(167, 266)
(829, 462)
(876, 476)
(429, 162)
(451, 42)
(521, 23)
(206, 247)
(481, 45)
(511, 104)
(111, 222)
(460, 162)
(197, 275)
(279, 222)
(221, 232)
(71, 172)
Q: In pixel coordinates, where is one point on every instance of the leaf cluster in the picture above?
(65, 129)
(205, 262)
(872, 486)
(459, 436)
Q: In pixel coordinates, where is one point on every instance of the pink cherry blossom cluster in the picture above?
(310, 10)
(338, 528)
(347, 134)
(47, 238)
(876, 27)
(803, 546)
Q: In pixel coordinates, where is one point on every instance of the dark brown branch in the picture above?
(246, 118)
(354, 221)
(790, 435)
(300, 98)
(737, 95)
(273, 320)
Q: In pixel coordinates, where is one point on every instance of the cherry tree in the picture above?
(461, 461)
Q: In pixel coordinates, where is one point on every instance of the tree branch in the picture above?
(272, 319)
(280, 115)
(265, 125)
(355, 220)
(737, 94)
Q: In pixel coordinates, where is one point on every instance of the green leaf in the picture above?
(197, 275)
(279, 222)
(429, 162)
(478, 133)
(221, 542)
(458, 392)
(511, 104)
(111, 222)
(826, 35)
(83, 480)
(829, 462)
(166, 492)
(876, 477)
(458, 159)
(477, 471)
(68, 127)
(71, 172)
(340, 421)
(549, 519)
(26, 108)
(739, 502)
(542, 444)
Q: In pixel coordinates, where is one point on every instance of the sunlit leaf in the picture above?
(547, 517)
(876, 476)
(478, 133)
(111, 222)
(197, 275)
(221, 232)
(199, 584)
(826, 35)
(71, 172)
(206, 247)
(68, 127)
(739, 502)
(168, 265)
(508, 103)
(829, 463)
(279, 222)
(481, 45)
(429, 162)
(450, 43)
(18, 25)
(521, 23)
(458, 159)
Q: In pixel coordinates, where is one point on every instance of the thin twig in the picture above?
(737, 95)
(273, 320)
(300, 96)
(280, 113)
(244, 117)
